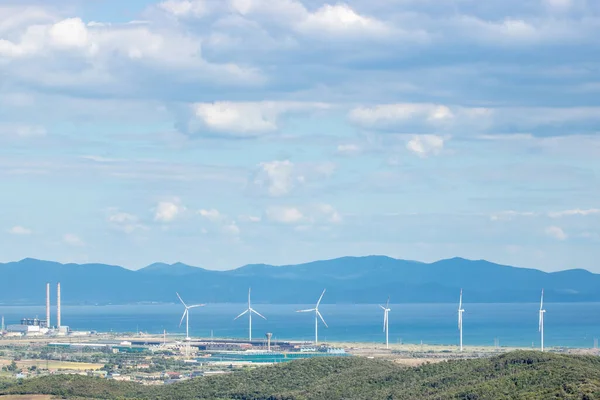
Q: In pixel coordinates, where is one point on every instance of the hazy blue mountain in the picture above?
(348, 280)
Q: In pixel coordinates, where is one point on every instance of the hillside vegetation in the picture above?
(517, 375)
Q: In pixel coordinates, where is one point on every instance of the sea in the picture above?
(574, 325)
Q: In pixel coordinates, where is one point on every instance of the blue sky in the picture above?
(226, 132)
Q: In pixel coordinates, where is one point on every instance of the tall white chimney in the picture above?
(58, 305)
(48, 305)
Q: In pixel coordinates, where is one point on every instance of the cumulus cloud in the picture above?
(556, 233)
(167, 211)
(186, 8)
(340, 19)
(284, 215)
(19, 230)
(231, 228)
(312, 214)
(249, 218)
(244, 119)
(280, 178)
(73, 240)
(326, 212)
(211, 215)
(125, 222)
(426, 145)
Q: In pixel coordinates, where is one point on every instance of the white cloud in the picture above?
(19, 230)
(556, 233)
(244, 119)
(69, 33)
(125, 222)
(73, 240)
(285, 215)
(568, 213)
(340, 19)
(186, 8)
(348, 149)
(211, 215)
(231, 228)
(249, 218)
(559, 5)
(426, 145)
(510, 215)
(278, 176)
(413, 116)
(327, 212)
(167, 211)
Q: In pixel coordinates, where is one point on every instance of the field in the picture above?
(54, 365)
(26, 397)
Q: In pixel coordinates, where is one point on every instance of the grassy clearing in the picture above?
(53, 365)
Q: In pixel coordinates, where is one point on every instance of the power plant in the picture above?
(36, 326)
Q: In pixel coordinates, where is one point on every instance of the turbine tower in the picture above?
(186, 315)
(460, 320)
(386, 310)
(250, 310)
(542, 311)
(317, 316)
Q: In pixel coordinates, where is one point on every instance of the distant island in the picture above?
(364, 280)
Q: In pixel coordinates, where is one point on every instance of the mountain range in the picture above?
(367, 279)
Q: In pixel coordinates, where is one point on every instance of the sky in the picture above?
(225, 132)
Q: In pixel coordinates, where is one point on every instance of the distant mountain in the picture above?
(348, 280)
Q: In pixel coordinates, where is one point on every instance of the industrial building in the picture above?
(37, 326)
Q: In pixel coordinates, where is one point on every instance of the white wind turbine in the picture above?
(542, 311)
(317, 316)
(460, 320)
(186, 315)
(250, 310)
(386, 310)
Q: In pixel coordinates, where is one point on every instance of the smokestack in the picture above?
(58, 305)
(48, 305)
(269, 341)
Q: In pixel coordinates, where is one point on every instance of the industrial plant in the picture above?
(36, 326)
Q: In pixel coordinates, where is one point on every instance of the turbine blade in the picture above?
(249, 289)
(542, 300)
(460, 301)
(312, 309)
(240, 315)
(182, 317)
(387, 303)
(180, 299)
(257, 313)
(322, 319)
(319, 302)
(196, 305)
(382, 307)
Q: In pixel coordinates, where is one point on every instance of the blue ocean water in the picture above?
(566, 324)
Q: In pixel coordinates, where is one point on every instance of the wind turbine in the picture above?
(249, 310)
(460, 320)
(542, 311)
(317, 316)
(186, 315)
(386, 310)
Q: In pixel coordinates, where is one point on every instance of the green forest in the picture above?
(516, 375)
